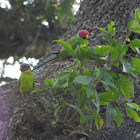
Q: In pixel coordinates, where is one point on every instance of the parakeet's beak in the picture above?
(86, 36)
(20, 68)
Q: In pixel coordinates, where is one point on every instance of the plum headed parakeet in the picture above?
(26, 80)
(80, 39)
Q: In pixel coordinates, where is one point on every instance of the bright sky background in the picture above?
(13, 70)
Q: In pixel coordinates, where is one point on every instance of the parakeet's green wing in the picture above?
(26, 82)
(77, 41)
(74, 42)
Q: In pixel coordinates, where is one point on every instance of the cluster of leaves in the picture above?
(32, 22)
(83, 82)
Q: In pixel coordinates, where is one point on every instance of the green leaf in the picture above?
(92, 55)
(127, 86)
(62, 75)
(132, 114)
(99, 122)
(62, 79)
(90, 90)
(78, 63)
(73, 69)
(134, 26)
(66, 46)
(117, 64)
(136, 63)
(137, 14)
(126, 67)
(112, 41)
(81, 93)
(100, 72)
(118, 117)
(111, 28)
(76, 108)
(71, 80)
(51, 82)
(47, 82)
(106, 97)
(112, 23)
(111, 111)
(114, 53)
(87, 72)
(134, 105)
(104, 77)
(107, 80)
(102, 50)
(57, 109)
(83, 80)
(103, 30)
(38, 90)
(135, 43)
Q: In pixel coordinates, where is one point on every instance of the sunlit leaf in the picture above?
(136, 63)
(137, 14)
(127, 86)
(73, 68)
(51, 82)
(135, 43)
(134, 105)
(132, 114)
(67, 47)
(47, 82)
(114, 53)
(111, 28)
(106, 97)
(134, 26)
(87, 72)
(103, 30)
(102, 50)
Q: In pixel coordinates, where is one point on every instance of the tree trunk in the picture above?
(30, 117)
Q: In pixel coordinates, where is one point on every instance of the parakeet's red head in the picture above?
(24, 67)
(83, 34)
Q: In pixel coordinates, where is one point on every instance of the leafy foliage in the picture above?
(33, 23)
(84, 83)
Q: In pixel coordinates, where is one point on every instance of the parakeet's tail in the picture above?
(36, 67)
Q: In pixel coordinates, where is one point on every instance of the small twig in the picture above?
(75, 113)
(129, 33)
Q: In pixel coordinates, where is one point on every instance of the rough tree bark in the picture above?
(30, 117)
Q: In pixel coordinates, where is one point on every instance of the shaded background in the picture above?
(27, 28)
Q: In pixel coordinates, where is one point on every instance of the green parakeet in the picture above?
(26, 80)
(80, 39)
